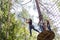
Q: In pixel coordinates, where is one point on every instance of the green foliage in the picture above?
(8, 30)
(13, 29)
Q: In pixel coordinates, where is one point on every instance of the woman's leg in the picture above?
(30, 29)
(34, 28)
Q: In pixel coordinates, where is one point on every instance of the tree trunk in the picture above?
(8, 20)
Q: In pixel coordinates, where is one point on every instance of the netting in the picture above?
(50, 8)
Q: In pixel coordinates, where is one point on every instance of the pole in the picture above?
(39, 11)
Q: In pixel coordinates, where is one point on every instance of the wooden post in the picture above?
(39, 12)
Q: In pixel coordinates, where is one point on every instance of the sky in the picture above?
(33, 12)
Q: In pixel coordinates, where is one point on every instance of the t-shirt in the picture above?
(30, 22)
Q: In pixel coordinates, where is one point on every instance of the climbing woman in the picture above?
(29, 21)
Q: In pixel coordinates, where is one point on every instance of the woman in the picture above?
(29, 21)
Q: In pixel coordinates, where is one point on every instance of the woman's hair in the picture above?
(47, 21)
